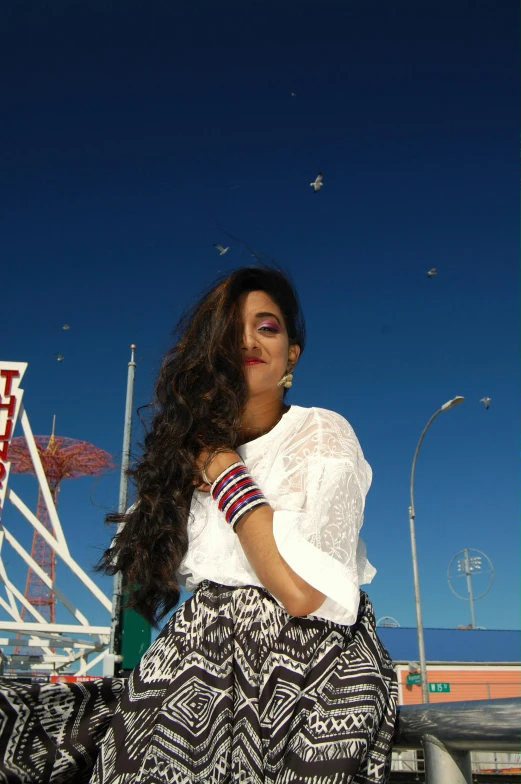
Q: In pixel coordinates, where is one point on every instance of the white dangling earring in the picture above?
(286, 380)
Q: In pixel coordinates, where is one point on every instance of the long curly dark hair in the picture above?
(200, 395)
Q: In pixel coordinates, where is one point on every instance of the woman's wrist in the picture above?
(220, 462)
(234, 490)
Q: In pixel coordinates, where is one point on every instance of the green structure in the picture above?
(135, 638)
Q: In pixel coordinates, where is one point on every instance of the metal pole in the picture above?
(419, 622)
(127, 432)
(115, 642)
(443, 765)
(469, 588)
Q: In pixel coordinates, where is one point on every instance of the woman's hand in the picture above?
(214, 463)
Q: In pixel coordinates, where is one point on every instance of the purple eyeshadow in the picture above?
(271, 325)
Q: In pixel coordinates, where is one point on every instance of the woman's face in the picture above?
(265, 347)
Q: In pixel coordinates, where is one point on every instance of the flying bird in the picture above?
(318, 183)
(486, 401)
(432, 272)
(65, 326)
(59, 358)
(293, 95)
(221, 250)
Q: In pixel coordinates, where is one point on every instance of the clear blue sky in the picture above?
(130, 129)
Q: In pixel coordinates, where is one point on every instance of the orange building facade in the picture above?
(464, 682)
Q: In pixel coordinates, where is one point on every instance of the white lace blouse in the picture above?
(312, 471)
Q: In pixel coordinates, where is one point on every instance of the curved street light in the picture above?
(419, 623)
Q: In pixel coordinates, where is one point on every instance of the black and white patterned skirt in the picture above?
(236, 690)
(233, 690)
(51, 732)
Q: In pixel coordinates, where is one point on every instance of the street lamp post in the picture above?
(419, 623)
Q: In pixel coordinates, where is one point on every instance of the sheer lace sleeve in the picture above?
(319, 512)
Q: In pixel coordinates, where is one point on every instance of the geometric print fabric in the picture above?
(51, 732)
(235, 689)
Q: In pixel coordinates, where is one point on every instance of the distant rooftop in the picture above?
(453, 645)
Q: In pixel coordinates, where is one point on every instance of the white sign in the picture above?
(11, 374)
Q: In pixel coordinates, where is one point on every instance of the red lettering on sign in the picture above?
(9, 375)
(8, 430)
(7, 404)
(10, 406)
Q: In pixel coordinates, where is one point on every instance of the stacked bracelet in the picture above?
(236, 493)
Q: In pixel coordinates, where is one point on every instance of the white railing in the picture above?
(60, 647)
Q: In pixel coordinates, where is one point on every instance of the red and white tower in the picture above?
(61, 458)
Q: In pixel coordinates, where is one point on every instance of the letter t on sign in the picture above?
(11, 374)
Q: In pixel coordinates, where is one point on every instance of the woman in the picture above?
(272, 671)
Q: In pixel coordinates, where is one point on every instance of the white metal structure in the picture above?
(388, 620)
(62, 644)
(470, 566)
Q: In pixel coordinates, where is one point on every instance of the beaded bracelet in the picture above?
(236, 493)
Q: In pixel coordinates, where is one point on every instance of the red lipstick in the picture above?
(253, 361)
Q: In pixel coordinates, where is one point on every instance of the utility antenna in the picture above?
(470, 564)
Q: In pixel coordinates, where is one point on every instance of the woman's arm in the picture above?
(255, 532)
